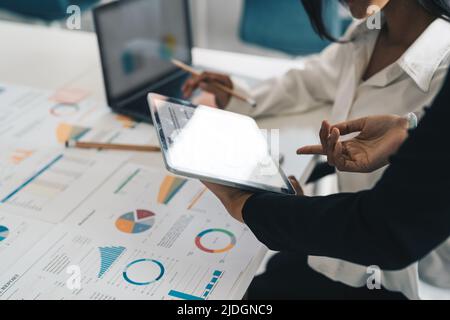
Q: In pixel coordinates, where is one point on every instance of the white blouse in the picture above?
(334, 78)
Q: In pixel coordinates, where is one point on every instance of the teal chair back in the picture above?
(47, 10)
(284, 25)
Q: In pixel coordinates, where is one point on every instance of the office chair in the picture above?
(285, 26)
(47, 10)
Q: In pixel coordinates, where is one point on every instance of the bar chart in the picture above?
(108, 256)
(217, 274)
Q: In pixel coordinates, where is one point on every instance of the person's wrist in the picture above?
(237, 203)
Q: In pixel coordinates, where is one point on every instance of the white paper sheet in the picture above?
(114, 128)
(58, 184)
(17, 236)
(187, 220)
(121, 222)
(110, 269)
(28, 114)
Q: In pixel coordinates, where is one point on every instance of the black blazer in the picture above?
(402, 219)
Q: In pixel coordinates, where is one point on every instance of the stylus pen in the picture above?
(219, 86)
(110, 146)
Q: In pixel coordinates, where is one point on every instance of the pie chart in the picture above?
(137, 221)
(4, 232)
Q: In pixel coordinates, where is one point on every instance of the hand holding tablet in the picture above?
(216, 146)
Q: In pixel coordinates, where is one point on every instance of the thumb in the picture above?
(296, 186)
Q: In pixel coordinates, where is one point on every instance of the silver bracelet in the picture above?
(412, 120)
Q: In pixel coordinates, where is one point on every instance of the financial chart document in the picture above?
(59, 184)
(89, 224)
(176, 214)
(17, 236)
(33, 115)
(43, 119)
(112, 269)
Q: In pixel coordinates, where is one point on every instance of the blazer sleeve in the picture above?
(404, 217)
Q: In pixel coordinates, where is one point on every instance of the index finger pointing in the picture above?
(317, 149)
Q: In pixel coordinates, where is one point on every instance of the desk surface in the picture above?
(50, 58)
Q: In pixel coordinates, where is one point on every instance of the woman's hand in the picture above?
(234, 199)
(379, 137)
(204, 82)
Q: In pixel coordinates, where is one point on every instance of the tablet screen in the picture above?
(219, 145)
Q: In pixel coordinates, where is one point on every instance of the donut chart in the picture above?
(206, 248)
(64, 110)
(133, 272)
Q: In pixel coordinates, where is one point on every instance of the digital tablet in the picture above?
(216, 146)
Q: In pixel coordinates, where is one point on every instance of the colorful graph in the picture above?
(127, 181)
(33, 178)
(4, 233)
(168, 46)
(169, 188)
(108, 255)
(64, 110)
(136, 221)
(140, 271)
(197, 198)
(207, 290)
(20, 155)
(132, 60)
(198, 241)
(126, 122)
(66, 132)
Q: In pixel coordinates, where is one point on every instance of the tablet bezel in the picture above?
(245, 185)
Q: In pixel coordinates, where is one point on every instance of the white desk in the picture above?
(50, 58)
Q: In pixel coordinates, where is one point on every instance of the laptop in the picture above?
(137, 40)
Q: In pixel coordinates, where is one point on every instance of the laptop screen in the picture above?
(138, 38)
